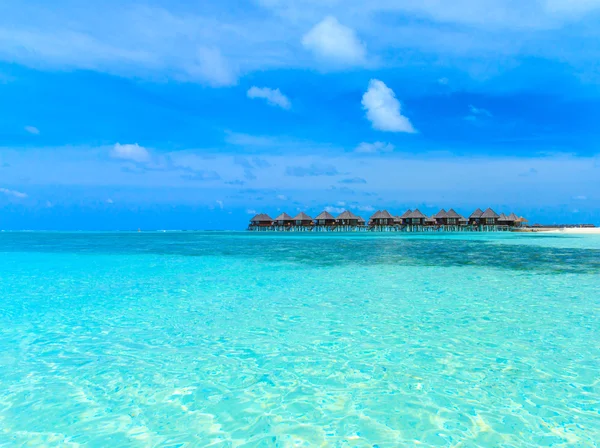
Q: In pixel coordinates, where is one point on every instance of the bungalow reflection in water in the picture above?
(384, 221)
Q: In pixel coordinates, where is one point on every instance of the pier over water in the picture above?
(384, 221)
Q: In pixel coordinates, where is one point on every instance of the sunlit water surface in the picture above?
(225, 339)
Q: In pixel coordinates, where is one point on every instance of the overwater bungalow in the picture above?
(381, 219)
(441, 218)
(416, 218)
(325, 219)
(512, 220)
(261, 221)
(348, 219)
(303, 220)
(404, 217)
(283, 220)
(453, 218)
(489, 217)
(503, 220)
(475, 217)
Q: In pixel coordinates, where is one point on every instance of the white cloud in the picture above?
(331, 209)
(383, 109)
(479, 111)
(365, 208)
(251, 211)
(32, 130)
(109, 201)
(220, 204)
(332, 41)
(341, 203)
(370, 148)
(211, 66)
(274, 97)
(132, 152)
(282, 197)
(13, 193)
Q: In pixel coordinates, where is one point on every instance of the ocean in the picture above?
(184, 339)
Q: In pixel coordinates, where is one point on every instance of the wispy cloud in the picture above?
(32, 130)
(240, 139)
(274, 97)
(365, 208)
(335, 210)
(371, 148)
(383, 109)
(334, 42)
(210, 66)
(353, 180)
(479, 111)
(530, 172)
(314, 169)
(13, 193)
(201, 175)
(237, 182)
(133, 152)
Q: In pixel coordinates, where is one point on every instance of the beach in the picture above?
(578, 231)
(241, 339)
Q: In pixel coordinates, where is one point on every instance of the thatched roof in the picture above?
(521, 219)
(489, 213)
(406, 214)
(262, 217)
(325, 216)
(513, 217)
(382, 215)
(302, 217)
(347, 215)
(430, 219)
(461, 219)
(502, 217)
(452, 214)
(476, 214)
(441, 214)
(361, 219)
(417, 215)
(284, 217)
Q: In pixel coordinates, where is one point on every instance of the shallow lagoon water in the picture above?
(234, 339)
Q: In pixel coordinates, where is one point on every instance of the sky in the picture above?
(196, 115)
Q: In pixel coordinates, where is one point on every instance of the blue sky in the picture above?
(156, 114)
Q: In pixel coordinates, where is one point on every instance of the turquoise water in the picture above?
(231, 340)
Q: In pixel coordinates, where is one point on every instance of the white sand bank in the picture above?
(578, 231)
